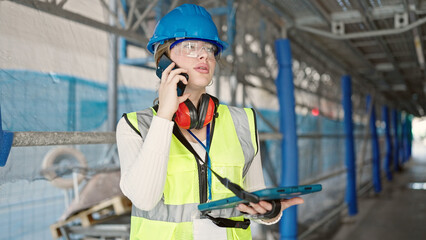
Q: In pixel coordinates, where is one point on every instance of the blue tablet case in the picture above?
(264, 194)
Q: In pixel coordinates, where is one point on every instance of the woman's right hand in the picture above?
(168, 99)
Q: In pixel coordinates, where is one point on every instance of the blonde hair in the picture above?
(163, 49)
(159, 52)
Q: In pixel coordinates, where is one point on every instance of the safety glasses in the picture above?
(194, 48)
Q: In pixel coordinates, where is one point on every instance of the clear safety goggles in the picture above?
(194, 48)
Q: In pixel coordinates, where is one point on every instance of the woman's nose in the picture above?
(202, 53)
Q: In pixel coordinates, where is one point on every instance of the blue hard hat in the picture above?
(186, 21)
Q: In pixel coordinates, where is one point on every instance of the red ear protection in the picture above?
(188, 117)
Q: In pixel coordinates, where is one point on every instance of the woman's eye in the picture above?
(191, 46)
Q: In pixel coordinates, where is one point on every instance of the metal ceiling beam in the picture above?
(416, 34)
(365, 34)
(371, 25)
(57, 10)
(275, 19)
(417, 37)
(275, 6)
(141, 17)
(318, 9)
(390, 98)
(355, 16)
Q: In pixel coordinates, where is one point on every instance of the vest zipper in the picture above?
(202, 176)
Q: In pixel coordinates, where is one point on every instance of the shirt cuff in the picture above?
(260, 221)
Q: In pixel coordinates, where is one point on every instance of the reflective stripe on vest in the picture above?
(233, 148)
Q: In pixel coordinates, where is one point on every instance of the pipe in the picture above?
(112, 73)
(289, 167)
(23, 139)
(365, 34)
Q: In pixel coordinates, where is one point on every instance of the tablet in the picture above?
(264, 194)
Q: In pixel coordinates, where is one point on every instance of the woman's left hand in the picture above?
(263, 206)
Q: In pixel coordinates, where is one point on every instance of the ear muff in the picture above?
(206, 109)
(188, 117)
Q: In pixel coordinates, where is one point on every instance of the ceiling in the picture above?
(380, 43)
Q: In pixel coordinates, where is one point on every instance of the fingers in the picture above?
(247, 209)
(263, 206)
(167, 92)
(167, 71)
(259, 209)
(286, 203)
(255, 208)
(170, 74)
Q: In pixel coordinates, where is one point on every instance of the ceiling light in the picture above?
(385, 67)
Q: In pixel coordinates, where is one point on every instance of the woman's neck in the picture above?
(199, 133)
(195, 95)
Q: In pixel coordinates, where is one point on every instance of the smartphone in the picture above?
(162, 65)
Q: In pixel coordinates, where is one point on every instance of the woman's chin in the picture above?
(199, 82)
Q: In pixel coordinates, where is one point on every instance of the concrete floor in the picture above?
(398, 212)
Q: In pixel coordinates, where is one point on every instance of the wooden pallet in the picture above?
(106, 210)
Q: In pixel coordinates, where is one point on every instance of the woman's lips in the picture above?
(202, 68)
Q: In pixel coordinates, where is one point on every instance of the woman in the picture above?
(166, 152)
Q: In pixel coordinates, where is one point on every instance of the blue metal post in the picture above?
(377, 183)
(400, 141)
(388, 158)
(410, 136)
(231, 23)
(404, 139)
(6, 140)
(407, 138)
(351, 198)
(395, 140)
(290, 158)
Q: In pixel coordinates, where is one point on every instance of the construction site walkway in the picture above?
(399, 211)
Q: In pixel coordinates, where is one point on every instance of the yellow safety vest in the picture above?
(233, 147)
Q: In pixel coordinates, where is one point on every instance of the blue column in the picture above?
(410, 136)
(6, 140)
(404, 139)
(351, 198)
(289, 172)
(395, 140)
(400, 142)
(231, 20)
(407, 137)
(388, 157)
(377, 183)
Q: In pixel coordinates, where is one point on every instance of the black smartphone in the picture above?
(162, 65)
